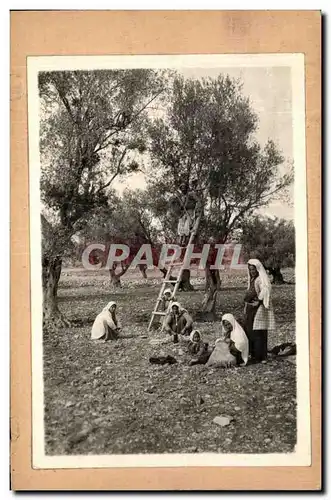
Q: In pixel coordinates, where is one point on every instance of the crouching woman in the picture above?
(178, 321)
(105, 326)
(238, 341)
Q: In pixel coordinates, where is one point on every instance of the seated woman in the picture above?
(105, 326)
(221, 356)
(238, 340)
(198, 349)
(178, 321)
(166, 299)
(231, 349)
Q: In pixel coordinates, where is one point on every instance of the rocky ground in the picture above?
(107, 398)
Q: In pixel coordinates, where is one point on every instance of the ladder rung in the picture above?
(175, 282)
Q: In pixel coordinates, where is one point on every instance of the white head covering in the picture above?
(180, 308)
(167, 290)
(109, 305)
(104, 318)
(264, 280)
(238, 336)
(192, 335)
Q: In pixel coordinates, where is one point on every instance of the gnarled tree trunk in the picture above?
(277, 277)
(115, 277)
(143, 269)
(51, 272)
(213, 285)
(185, 284)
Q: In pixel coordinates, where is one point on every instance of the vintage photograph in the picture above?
(168, 260)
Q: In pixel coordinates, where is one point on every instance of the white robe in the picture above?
(101, 324)
(238, 336)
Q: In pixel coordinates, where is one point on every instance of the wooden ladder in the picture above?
(175, 282)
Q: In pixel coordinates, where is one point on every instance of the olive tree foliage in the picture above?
(91, 132)
(272, 241)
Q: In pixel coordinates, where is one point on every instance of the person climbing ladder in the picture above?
(191, 206)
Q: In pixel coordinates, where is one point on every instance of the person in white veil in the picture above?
(167, 298)
(259, 316)
(178, 321)
(105, 326)
(238, 339)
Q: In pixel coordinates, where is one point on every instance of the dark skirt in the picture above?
(257, 339)
(237, 354)
(259, 345)
(201, 360)
(110, 335)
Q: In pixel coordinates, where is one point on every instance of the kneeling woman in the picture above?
(231, 349)
(105, 326)
(178, 321)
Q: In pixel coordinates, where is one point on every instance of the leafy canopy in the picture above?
(207, 135)
(270, 240)
(91, 133)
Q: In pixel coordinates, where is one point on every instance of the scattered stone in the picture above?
(69, 404)
(78, 437)
(237, 408)
(267, 440)
(150, 390)
(97, 369)
(199, 400)
(181, 352)
(223, 421)
(159, 341)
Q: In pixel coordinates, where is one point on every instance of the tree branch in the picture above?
(118, 171)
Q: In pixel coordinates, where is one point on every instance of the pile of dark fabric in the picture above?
(162, 360)
(286, 349)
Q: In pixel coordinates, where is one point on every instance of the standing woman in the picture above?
(259, 316)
